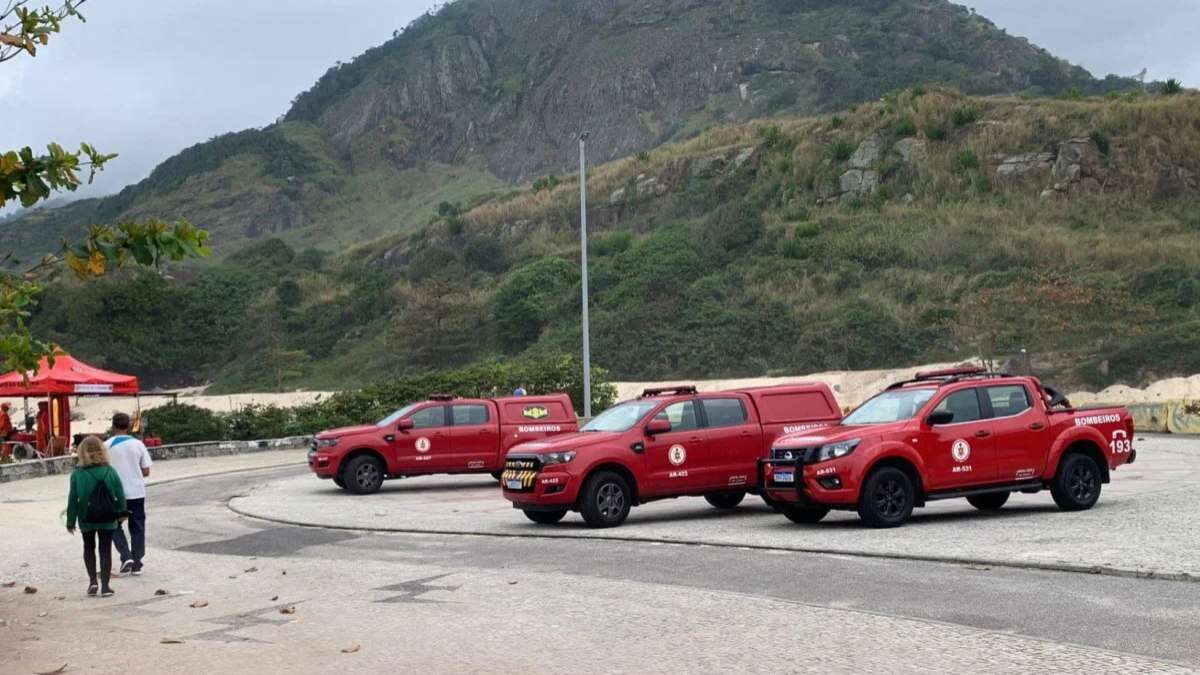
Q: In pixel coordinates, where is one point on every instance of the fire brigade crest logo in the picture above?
(536, 413)
(961, 450)
(423, 445)
(677, 455)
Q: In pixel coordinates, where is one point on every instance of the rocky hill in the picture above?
(924, 226)
(486, 93)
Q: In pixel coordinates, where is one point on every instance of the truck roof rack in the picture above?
(442, 397)
(675, 391)
(948, 376)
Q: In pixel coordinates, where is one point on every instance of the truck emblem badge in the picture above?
(423, 444)
(961, 450)
(677, 455)
(536, 413)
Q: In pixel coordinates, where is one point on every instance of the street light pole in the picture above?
(583, 247)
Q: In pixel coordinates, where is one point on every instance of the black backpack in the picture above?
(101, 507)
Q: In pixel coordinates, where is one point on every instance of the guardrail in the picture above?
(36, 468)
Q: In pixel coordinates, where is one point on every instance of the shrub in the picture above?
(837, 121)
(808, 230)
(961, 117)
(906, 127)
(772, 136)
(1172, 87)
(486, 254)
(935, 131)
(1101, 140)
(183, 423)
(547, 183)
(967, 160)
(1073, 94)
(841, 150)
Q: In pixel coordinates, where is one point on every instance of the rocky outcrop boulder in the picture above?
(913, 151)
(1080, 164)
(869, 152)
(1173, 181)
(1018, 166)
(858, 182)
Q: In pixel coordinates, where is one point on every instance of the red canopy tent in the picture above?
(67, 376)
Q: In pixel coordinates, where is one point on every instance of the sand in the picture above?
(92, 413)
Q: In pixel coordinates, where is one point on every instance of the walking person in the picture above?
(97, 503)
(132, 462)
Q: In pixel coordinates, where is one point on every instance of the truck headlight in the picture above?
(326, 442)
(556, 457)
(836, 450)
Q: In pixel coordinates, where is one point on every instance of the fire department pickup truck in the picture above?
(667, 443)
(946, 434)
(441, 435)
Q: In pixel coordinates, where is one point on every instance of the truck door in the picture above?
(425, 448)
(734, 443)
(960, 453)
(676, 461)
(474, 437)
(1022, 433)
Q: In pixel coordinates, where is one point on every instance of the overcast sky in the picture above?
(147, 78)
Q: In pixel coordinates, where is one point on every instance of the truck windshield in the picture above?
(890, 406)
(391, 419)
(620, 418)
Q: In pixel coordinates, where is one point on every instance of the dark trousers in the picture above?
(137, 534)
(105, 539)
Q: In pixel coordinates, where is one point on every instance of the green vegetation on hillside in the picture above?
(745, 251)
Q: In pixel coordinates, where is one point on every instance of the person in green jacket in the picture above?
(92, 470)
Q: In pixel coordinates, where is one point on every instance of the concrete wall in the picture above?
(58, 465)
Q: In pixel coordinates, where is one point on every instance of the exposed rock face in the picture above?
(517, 80)
(1079, 162)
(913, 151)
(869, 152)
(1031, 163)
(1173, 181)
(859, 182)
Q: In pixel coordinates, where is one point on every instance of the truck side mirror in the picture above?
(658, 426)
(939, 418)
(404, 424)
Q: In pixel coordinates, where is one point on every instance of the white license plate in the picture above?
(785, 477)
(514, 484)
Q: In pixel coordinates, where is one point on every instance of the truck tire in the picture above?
(1076, 486)
(725, 500)
(804, 515)
(991, 502)
(770, 502)
(497, 474)
(545, 517)
(606, 500)
(363, 475)
(887, 498)
(337, 480)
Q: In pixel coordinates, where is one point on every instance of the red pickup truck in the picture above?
(946, 434)
(670, 442)
(441, 435)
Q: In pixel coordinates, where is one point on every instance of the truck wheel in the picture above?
(497, 474)
(546, 517)
(1076, 486)
(337, 480)
(804, 515)
(991, 502)
(770, 502)
(606, 500)
(725, 500)
(363, 475)
(887, 498)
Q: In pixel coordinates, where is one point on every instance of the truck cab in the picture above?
(957, 433)
(443, 434)
(670, 442)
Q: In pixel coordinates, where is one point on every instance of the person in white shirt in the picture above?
(132, 461)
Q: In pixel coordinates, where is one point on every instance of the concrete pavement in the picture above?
(379, 602)
(1144, 525)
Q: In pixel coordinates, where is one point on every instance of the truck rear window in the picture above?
(531, 412)
(794, 407)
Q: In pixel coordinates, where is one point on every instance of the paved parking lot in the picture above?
(1145, 523)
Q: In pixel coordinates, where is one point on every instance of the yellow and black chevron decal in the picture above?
(526, 478)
